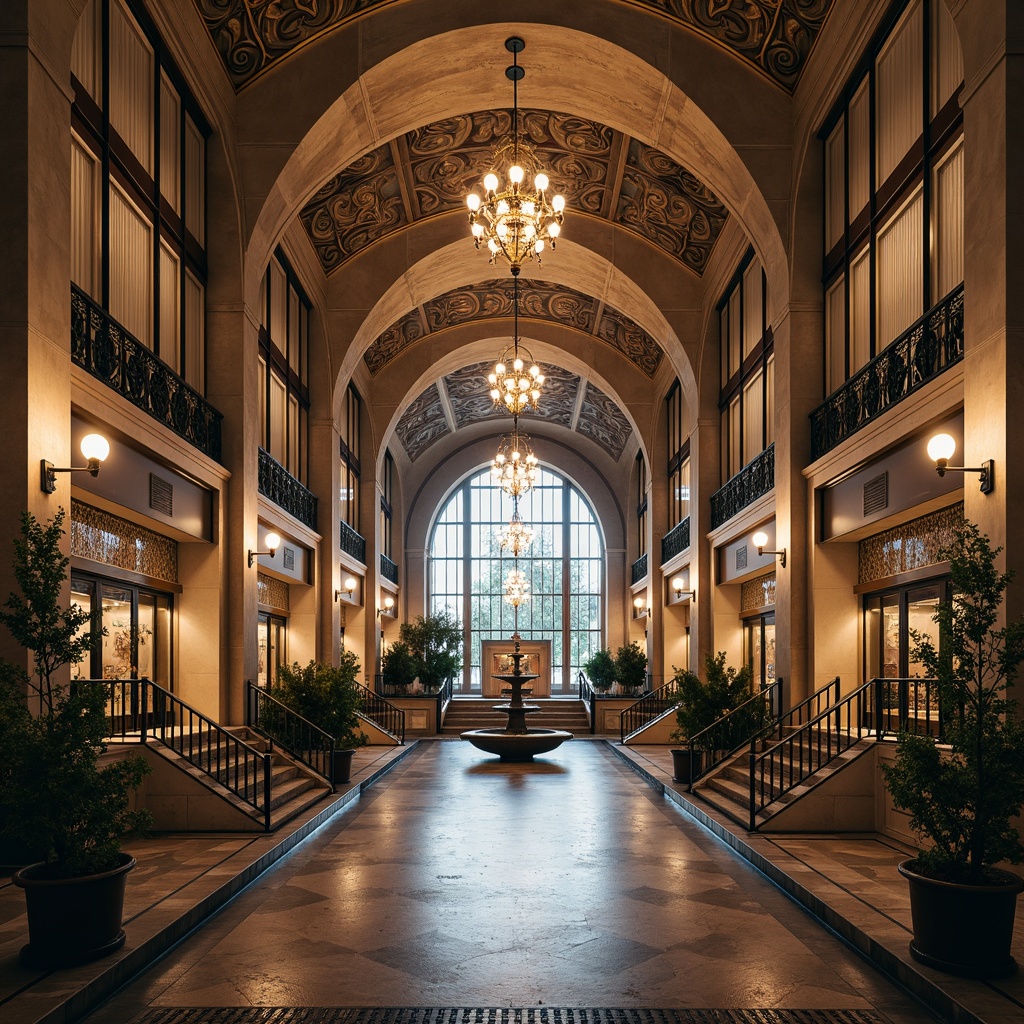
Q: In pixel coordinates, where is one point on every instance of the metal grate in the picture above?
(495, 1015)
(741, 557)
(876, 494)
(161, 495)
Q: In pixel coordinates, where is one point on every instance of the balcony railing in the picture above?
(676, 540)
(277, 484)
(102, 347)
(755, 479)
(920, 354)
(353, 543)
(639, 570)
(388, 569)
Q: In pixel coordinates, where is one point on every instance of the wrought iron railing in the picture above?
(277, 484)
(744, 724)
(441, 698)
(676, 540)
(753, 481)
(589, 698)
(647, 709)
(382, 713)
(928, 348)
(388, 569)
(140, 707)
(639, 569)
(444, 698)
(295, 735)
(907, 705)
(352, 543)
(102, 347)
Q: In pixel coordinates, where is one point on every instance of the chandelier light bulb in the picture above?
(491, 182)
(478, 231)
(473, 202)
(515, 174)
(540, 183)
(558, 204)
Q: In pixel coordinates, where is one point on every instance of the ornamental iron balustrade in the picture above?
(353, 543)
(277, 484)
(676, 540)
(388, 569)
(298, 737)
(103, 348)
(649, 708)
(378, 711)
(753, 481)
(928, 348)
(639, 570)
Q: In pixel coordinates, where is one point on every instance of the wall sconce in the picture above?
(640, 608)
(760, 539)
(350, 589)
(678, 588)
(95, 448)
(940, 451)
(389, 607)
(273, 542)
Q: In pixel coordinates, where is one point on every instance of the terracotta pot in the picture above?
(72, 920)
(341, 766)
(963, 929)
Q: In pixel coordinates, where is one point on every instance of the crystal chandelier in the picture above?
(517, 588)
(515, 468)
(514, 220)
(517, 537)
(514, 385)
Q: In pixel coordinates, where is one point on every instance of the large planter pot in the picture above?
(341, 766)
(681, 764)
(72, 920)
(963, 929)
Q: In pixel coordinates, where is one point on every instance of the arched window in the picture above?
(565, 566)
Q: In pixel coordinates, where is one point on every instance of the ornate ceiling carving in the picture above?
(775, 36)
(429, 171)
(468, 391)
(422, 423)
(537, 301)
(603, 422)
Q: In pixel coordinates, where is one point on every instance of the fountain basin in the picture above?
(516, 746)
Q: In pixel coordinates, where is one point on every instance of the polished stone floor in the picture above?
(461, 881)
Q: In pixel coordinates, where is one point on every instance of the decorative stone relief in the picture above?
(397, 337)
(603, 422)
(757, 593)
(908, 546)
(271, 592)
(422, 423)
(468, 392)
(775, 36)
(109, 539)
(630, 339)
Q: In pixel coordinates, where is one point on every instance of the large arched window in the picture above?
(565, 565)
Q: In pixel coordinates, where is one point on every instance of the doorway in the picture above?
(890, 617)
(759, 646)
(272, 644)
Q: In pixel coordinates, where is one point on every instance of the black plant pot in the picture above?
(341, 766)
(963, 929)
(72, 920)
(681, 764)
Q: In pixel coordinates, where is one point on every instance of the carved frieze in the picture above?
(397, 337)
(603, 422)
(630, 339)
(422, 423)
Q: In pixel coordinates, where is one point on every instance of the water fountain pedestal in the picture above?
(516, 742)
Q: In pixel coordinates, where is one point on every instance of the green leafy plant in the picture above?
(630, 667)
(330, 697)
(701, 704)
(600, 670)
(435, 642)
(55, 797)
(963, 799)
(398, 666)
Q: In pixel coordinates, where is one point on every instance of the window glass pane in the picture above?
(858, 121)
(85, 218)
(170, 307)
(278, 423)
(81, 595)
(898, 89)
(835, 335)
(860, 311)
(723, 340)
(131, 85)
(195, 333)
(753, 418)
(753, 313)
(835, 185)
(195, 182)
(682, 491)
(294, 348)
(735, 329)
(262, 388)
(293, 465)
(947, 60)
(170, 144)
(87, 51)
(900, 269)
(131, 267)
(278, 306)
(948, 219)
(769, 398)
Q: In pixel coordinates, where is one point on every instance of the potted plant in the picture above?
(330, 697)
(701, 704)
(630, 667)
(963, 791)
(56, 798)
(435, 642)
(398, 667)
(600, 670)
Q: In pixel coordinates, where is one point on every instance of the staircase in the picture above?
(479, 713)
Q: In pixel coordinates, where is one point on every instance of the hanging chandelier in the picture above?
(514, 220)
(515, 386)
(516, 538)
(515, 468)
(517, 588)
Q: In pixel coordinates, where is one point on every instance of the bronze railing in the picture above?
(277, 484)
(102, 347)
(755, 479)
(676, 540)
(352, 543)
(925, 350)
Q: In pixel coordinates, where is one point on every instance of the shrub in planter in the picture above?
(398, 666)
(435, 642)
(963, 799)
(56, 799)
(631, 667)
(600, 670)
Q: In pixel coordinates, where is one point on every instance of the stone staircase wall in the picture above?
(463, 715)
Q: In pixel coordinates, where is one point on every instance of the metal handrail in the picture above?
(810, 707)
(296, 736)
(717, 742)
(444, 698)
(144, 707)
(647, 709)
(381, 713)
(589, 698)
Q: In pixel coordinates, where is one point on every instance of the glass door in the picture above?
(760, 645)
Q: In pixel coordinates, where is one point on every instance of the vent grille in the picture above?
(876, 494)
(741, 557)
(161, 495)
(289, 558)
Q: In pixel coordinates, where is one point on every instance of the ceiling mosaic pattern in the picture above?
(493, 299)
(599, 418)
(775, 36)
(600, 171)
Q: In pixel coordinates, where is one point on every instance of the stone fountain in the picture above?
(516, 742)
